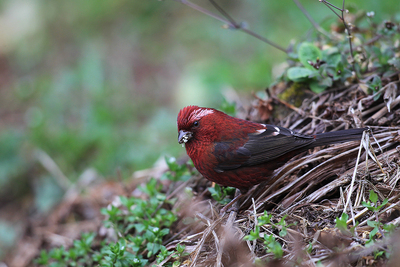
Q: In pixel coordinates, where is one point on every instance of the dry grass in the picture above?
(312, 190)
(309, 192)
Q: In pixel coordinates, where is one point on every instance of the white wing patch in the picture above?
(278, 131)
(199, 113)
(261, 131)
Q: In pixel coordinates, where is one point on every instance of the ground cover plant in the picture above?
(335, 205)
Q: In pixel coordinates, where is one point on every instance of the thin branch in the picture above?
(239, 26)
(346, 26)
(259, 37)
(329, 5)
(332, 5)
(201, 10)
(369, 42)
(225, 14)
(312, 21)
(228, 20)
(355, 171)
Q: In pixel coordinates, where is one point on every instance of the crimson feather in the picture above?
(239, 153)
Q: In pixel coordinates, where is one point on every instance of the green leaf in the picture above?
(180, 248)
(373, 224)
(264, 219)
(298, 73)
(228, 107)
(172, 164)
(316, 87)
(334, 60)
(373, 196)
(378, 254)
(164, 232)
(353, 228)
(395, 62)
(216, 192)
(308, 52)
(43, 259)
(309, 247)
(375, 86)
(152, 248)
(273, 246)
(283, 232)
(373, 232)
(341, 223)
(254, 234)
(369, 206)
(389, 227)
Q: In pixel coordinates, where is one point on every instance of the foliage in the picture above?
(78, 254)
(220, 194)
(323, 64)
(177, 172)
(372, 204)
(140, 224)
(270, 242)
(377, 226)
(228, 108)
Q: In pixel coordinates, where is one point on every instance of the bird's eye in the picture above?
(196, 123)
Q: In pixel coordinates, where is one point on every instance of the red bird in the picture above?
(239, 153)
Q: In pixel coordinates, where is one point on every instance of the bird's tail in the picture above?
(338, 137)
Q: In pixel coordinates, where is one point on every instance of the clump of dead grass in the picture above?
(315, 189)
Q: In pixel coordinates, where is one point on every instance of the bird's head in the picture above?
(197, 123)
(208, 125)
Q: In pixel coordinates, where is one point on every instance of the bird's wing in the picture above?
(262, 146)
(228, 157)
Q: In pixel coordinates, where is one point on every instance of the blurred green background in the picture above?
(98, 84)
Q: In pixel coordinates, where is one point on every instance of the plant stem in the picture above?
(347, 28)
(228, 20)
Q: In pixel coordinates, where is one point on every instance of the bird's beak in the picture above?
(184, 136)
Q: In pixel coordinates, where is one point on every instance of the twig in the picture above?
(229, 21)
(346, 26)
(207, 232)
(51, 166)
(354, 173)
(255, 222)
(311, 20)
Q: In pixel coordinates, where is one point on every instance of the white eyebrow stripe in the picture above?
(199, 113)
